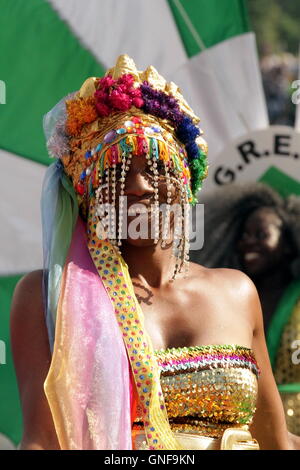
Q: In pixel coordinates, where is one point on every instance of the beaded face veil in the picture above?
(130, 113)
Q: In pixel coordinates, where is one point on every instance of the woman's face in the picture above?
(261, 246)
(139, 196)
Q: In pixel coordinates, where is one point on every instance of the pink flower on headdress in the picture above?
(135, 93)
(119, 100)
(117, 95)
(106, 82)
(121, 88)
(101, 95)
(138, 102)
(126, 79)
(102, 109)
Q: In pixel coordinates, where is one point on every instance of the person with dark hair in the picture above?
(257, 231)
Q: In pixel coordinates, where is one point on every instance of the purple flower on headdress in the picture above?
(160, 104)
(164, 110)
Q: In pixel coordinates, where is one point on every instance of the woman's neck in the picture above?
(152, 264)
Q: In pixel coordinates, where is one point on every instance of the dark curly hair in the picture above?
(226, 210)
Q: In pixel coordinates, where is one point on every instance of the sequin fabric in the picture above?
(287, 370)
(208, 388)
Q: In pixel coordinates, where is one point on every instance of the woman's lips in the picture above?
(138, 209)
(139, 206)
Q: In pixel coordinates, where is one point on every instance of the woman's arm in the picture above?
(32, 357)
(269, 424)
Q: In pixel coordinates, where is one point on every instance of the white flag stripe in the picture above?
(223, 83)
(20, 234)
(142, 29)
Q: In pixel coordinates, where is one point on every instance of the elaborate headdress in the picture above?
(128, 111)
(94, 132)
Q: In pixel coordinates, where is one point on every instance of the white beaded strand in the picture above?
(121, 200)
(187, 236)
(124, 169)
(156, 200)
(113, 206)
(183, 231)
(166, 230)
(177, 238)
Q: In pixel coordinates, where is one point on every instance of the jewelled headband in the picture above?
(134, 112)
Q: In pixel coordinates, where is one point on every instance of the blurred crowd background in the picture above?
(276, 24)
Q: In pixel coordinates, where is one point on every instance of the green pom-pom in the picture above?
(198, 168)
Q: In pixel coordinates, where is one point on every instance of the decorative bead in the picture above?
(110, 136)
(80, 188)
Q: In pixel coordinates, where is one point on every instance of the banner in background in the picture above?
(271, 155)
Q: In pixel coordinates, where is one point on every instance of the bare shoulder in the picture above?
(27, 321)
(233, 278)
(29, 287)
(234, 285)
(27, 310)
(30, 282)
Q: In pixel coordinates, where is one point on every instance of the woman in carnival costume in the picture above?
(138, 348)
(258, 231)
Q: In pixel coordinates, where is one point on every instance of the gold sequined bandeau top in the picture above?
(207, 388)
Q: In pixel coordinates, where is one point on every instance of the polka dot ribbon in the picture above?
(116, 279)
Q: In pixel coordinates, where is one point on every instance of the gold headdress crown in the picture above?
(126, 65)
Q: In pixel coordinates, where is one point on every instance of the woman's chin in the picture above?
(139, 242)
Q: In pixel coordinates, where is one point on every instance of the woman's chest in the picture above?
(191, 318)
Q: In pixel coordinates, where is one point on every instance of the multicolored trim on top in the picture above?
(188, 359)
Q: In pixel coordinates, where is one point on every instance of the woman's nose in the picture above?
(137, 184)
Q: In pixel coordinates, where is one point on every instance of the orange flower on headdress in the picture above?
(80, 111)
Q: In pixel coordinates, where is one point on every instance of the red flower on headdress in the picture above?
(127, 80)
(106, 82)
(117, 95)
(135, 93)
(101, 95)
(119, 100)
(102, 108)
(138, 102)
